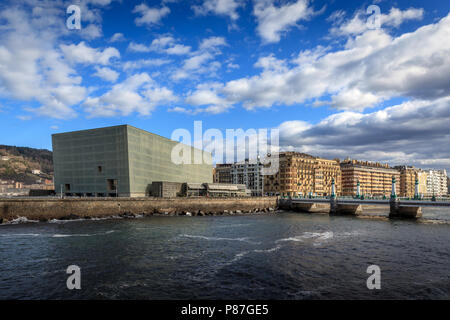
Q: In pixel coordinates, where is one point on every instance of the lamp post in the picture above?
(394, 192)
(358, 190)
(333, 189)
(416, 191)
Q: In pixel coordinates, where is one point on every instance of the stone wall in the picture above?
(46, 209)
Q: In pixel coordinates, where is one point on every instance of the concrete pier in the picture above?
(310, 207)
(404, 211)
(47, 209)
(347, 209)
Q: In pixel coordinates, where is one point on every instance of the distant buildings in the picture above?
(248, 173)
(302, 174)
(121, 161)
(408, 178)
(375, 179)
(437, 183)
(222, 173)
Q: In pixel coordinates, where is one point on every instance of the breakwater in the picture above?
(47, 209)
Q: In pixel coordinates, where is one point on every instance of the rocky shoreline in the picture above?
(156, 213)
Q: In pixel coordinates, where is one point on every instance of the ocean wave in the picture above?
(245, 239)
(20, 235)
(82, 235)
(65, 221)
(20, 220)
(316, 236)
(268, 250)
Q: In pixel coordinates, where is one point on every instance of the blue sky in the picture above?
(314, 69)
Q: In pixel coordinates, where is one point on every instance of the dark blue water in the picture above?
(282, 256)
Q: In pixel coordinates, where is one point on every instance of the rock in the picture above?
(127, 215)
(1, 220)
(226, 212)
(271, 209)
(188, 214)
(201, 213)
(238, 211)
(70, 217)
(87, 218)
(42, 220)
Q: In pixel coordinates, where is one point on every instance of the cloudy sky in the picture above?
(320, 71)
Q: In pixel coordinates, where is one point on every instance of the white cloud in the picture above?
(219, 7)
(117, 37)
(178, 49)
(212, 43)
(138, 93)
(81, 53)
(371, 68)
(273, 20)
(107, 74)
(162, 44)
(150, 16)
(144, 63)
(32, 67)
(358, 24)
(202, 61)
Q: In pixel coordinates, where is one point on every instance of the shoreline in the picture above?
(88, 208)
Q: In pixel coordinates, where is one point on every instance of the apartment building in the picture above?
(437, 183)
(222, 173)
(375, 178)
(408, 177)
(249, 174)
(303, 174)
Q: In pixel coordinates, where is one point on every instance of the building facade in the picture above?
(120, 161)
(375, 178)
(301, 174)
(408, 177)
(222, 173)
(437, 183)
(248, 173)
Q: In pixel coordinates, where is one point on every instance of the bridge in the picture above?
(399, 208)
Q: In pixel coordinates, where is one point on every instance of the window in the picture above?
(100, 169)
(67, 187)
(112, 184)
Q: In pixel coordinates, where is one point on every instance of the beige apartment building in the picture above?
(408, 177)
(375, 178)
(303, 174)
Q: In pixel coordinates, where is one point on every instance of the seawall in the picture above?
(47, 209)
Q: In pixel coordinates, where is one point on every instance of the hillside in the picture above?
(17, 163)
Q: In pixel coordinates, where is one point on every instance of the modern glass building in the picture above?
(121, 161)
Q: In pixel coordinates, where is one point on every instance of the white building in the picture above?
(249, 173)
(437, 182)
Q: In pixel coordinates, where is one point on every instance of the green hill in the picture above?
(17, 163)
